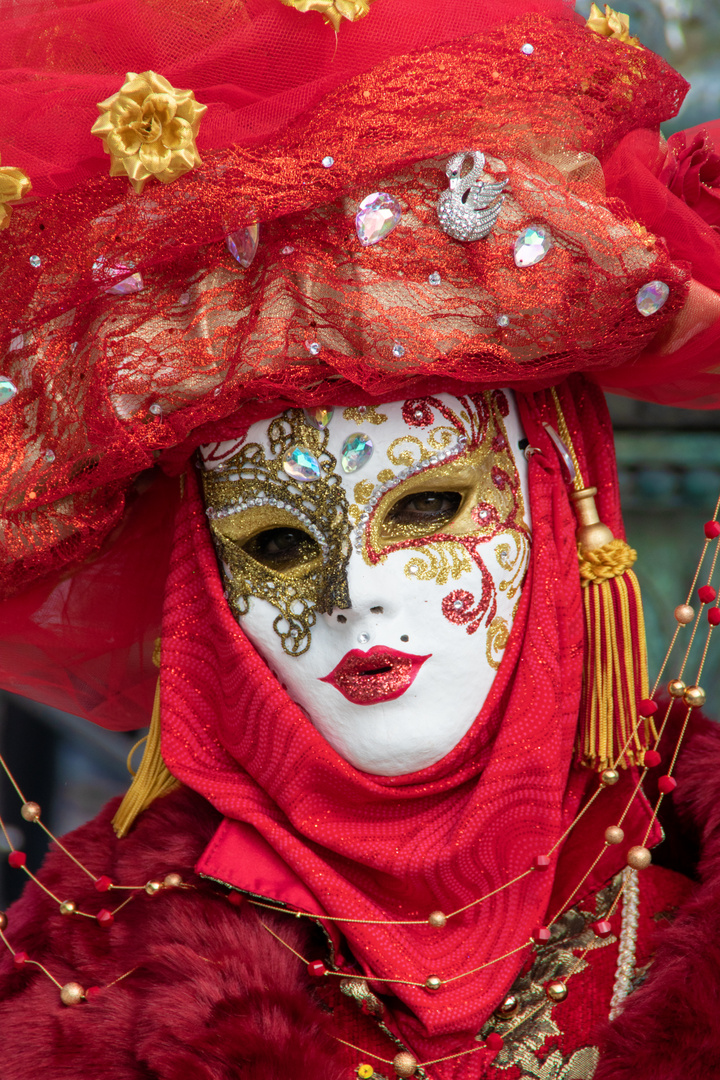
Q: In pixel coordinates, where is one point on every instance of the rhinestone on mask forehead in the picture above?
(300, 464)
(318, 418)
(356, 452)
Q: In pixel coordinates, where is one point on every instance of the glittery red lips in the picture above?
(381, 674)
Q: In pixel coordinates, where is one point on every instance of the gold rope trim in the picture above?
(602, 564)
(152, 779)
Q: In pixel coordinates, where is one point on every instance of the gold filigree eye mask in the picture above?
(280, 538)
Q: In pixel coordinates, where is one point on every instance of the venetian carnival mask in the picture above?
(375, 558)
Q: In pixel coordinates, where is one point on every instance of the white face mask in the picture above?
(375, 559)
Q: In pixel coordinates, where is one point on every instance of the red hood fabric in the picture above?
(394, 848)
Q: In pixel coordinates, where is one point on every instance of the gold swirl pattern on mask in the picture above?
(498, 635)
(252, 494)
(364, 414)
(513, 563)
(441, 562)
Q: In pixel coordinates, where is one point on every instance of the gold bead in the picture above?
(3, 921)
(676, 688)
(684, 614)
(556, 990)
(433, 982)
(405, 1063)
(365, 1072)
(72, 993)
(639, 857)
(153, 887)
(614, 835)
(436, 918)
(509, 1007)
(30, 811)
(610, 777)
(694, 696)
(173, 881)
(68, 907)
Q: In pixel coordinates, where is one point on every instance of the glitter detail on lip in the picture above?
(380, 674)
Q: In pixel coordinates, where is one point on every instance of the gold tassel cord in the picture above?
(152, 779)
(615, 676)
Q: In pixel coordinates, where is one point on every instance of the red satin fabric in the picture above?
(397, 848)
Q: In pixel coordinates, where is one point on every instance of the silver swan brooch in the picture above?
(469, 208)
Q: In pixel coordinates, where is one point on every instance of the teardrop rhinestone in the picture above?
(651, 297)
(377, 216)
(8, 390)
(243, 244)
(301, 465)
(532, 245)
(318, 418)
(356, 452)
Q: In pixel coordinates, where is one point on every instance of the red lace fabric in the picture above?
(205, 337)
(398, 847)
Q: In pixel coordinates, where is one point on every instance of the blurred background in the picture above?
(669, 466)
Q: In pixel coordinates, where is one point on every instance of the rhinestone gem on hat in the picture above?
(8, 390)
(356, 452)
(651, 297)
(301, 465)
(318, 418)
(377, 216)
(398, 350)
(532, 245)
(243, 244)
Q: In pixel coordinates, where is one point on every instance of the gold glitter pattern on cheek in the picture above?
(498, 635)
(442, 562)
(253, 494)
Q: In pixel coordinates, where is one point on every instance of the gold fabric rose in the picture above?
(333, 11)
(148, 128)
(13, 185)
(613, 24)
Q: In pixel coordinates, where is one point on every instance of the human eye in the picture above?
(282, 549)
(420, 513)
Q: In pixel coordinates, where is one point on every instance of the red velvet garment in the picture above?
(399, 847)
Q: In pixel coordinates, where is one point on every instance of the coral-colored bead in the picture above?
(602, 928)
(105, 917)
(437, 919)
(173, 881)
(17, 859)
(652, 758)
(405, 1064)
(712, 529)
(316, 967)
(72, 993)
(707, 594)
(666, 784)
(236, 899)
(684, 614)
(30, 811)
(542, 862)
(614, 834)
(541, 934)
(647, 707)
(494, 1042)
(20, 958)
(638, 857)
(714, 616)
(103, 883)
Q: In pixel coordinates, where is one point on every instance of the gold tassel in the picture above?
(611, 734)
(153, 778)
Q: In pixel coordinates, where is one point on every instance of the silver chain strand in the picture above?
(628, 941)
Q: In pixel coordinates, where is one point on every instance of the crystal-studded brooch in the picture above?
(469, 208)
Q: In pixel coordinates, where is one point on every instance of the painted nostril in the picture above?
(404, 637)
(376, 610)
(342, 618)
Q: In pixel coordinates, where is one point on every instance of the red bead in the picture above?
(652, 758)
(602, 928)
(17, 859)
(236, 899)
(317, 968)
(712, 529)
(541, 934)
(666, 784)
(647, 707)
(707, 594)
(20, 958)
(103, 883)
(494, 1042)
(542, 862)
(714, 616)
(105, 917)
(92, 992)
